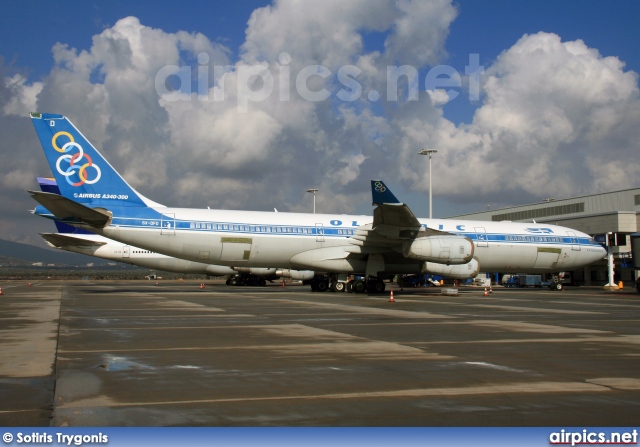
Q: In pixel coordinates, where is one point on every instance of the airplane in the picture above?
(391, 242)
(77, 240)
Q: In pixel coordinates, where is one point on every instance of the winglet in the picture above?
(380, 193)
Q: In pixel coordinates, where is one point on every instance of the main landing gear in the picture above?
(325, 282)
(246, 280)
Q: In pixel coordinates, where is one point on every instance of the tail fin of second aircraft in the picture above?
(81, 172)
(380, 194)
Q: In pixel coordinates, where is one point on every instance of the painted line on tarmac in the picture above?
(519, 308)
(507, 388)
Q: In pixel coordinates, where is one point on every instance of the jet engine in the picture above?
(280, 273)
(256, 271)
(296, 274)
(440, 249)
(460, 271)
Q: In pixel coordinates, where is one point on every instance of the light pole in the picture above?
(429, 152)
(314, 191)
(610, 284)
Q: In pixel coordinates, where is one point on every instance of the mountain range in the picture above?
(20, 254)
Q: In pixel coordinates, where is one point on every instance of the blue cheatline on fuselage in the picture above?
(149, 219)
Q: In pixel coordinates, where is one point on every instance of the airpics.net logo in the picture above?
(591, 437)
(260, 82)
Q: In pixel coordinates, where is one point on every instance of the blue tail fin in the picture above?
(380, 193)
(81, 172)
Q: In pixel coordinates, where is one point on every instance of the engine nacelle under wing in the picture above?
(218, 270)
(440, 249)
(255, 270)
(463, 271)
(280, 273)
(295, 274)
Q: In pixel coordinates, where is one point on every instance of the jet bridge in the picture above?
(635, 254)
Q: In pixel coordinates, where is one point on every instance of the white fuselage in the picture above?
(264, 239)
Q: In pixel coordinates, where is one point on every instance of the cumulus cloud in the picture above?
(287, 140)
(551, 111)
(326, 33)
(557, 119)
(21, 97)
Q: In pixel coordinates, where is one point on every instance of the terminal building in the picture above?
(616, 212)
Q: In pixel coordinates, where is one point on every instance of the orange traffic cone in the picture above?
(391, 300)
(202, 285)
(485, 292)
(490, 289)
(283, 283)
(29, 284)
(0, 290)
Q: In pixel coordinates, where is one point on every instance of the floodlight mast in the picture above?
(314, 191)
(429, 152)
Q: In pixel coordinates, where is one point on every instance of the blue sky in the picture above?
(29, 30)
(562, 101)
(489, 28)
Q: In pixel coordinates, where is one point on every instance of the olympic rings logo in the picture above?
(73, 160)
(379, 187)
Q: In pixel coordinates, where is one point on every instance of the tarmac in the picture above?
(141, 353)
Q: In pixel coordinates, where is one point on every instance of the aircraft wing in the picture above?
(60, 240)
(67, 209)
(396, 231)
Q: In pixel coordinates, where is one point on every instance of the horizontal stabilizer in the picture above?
(67, 209)
(60, 240)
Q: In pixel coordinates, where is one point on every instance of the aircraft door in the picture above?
(319, 232)
(574, 241)
(547, 258)
(235, 249)
(126, 251)
(481, 237)
(168, 224)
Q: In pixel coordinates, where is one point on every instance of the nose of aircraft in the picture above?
(595, 253)
(600, 254)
